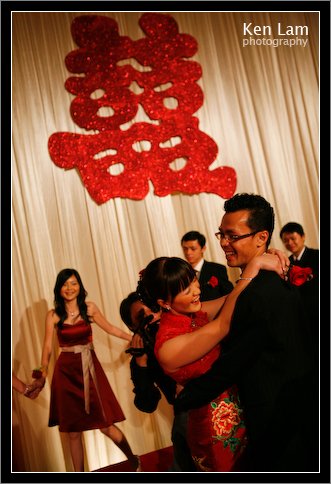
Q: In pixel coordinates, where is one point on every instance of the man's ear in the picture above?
(262, 237)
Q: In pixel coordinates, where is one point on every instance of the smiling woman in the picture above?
(187, 344)
(81, 396)
(261, 106)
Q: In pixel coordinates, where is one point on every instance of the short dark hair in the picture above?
(291, 227)
(194, 235)
(125, 308)
(261, 213)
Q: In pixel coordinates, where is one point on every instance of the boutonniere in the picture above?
(213, 281)
(299, 275)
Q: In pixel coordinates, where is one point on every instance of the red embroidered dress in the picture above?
(216, 432)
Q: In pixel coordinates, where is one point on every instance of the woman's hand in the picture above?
(92, 309)
(33, 389)
(284, 260)
(271, 262)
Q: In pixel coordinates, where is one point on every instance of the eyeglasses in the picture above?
(233, 238)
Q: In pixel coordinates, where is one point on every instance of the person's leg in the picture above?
(76, 450)
(117, 436)
(183, 461)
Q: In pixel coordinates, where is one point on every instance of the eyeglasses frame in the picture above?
(233, 238)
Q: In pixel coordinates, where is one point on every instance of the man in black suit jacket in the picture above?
(267, 353)
(213, 277)
(293, 238)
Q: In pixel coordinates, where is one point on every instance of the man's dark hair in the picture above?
(125, 308)
(291, 227)
(261, 214)
(194, 235)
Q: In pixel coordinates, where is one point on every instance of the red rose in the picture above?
(37, 373)
(299, 275)
(213, 281)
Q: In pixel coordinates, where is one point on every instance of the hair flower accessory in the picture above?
(299, 275)
(213, 281)
(141, 273)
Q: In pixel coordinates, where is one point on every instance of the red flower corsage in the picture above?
(299, 275)
(39, 372)
(36, 374)
(213, 281)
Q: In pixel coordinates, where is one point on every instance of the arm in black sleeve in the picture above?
(147, 394)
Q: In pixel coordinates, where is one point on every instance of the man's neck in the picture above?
(199, 265)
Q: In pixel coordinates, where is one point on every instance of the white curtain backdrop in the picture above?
(261, 106)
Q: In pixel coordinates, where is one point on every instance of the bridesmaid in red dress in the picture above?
(187, 343)
(81, 396)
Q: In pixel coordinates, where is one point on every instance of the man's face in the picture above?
(238, 253)
(293, 242)
(193, 252)
(138, 312)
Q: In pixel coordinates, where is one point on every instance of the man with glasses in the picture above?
(267, 353)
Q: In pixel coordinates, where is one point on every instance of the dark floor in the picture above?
(157, 461)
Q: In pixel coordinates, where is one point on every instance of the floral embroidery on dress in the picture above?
(226, 420)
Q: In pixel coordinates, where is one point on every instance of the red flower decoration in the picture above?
(141, 274)
(36, 374)
(121, 162)
(213, 281)
(299, 275)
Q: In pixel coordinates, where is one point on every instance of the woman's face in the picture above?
(70, 289)
(188, 300)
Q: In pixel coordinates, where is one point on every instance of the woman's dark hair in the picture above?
(164, 278)
(59, 306)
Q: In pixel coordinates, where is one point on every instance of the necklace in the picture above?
(73, 315)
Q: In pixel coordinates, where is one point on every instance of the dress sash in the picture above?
(88, 367)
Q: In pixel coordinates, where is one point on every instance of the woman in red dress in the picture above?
(81, 396)
(187, 343)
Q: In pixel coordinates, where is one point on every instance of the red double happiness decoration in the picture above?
(170, 150)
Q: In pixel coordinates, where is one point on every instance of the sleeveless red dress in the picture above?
(216, 432)
(67, 404)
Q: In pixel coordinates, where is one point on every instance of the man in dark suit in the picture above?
(213, 277)
(266, 353)
(293, 238)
